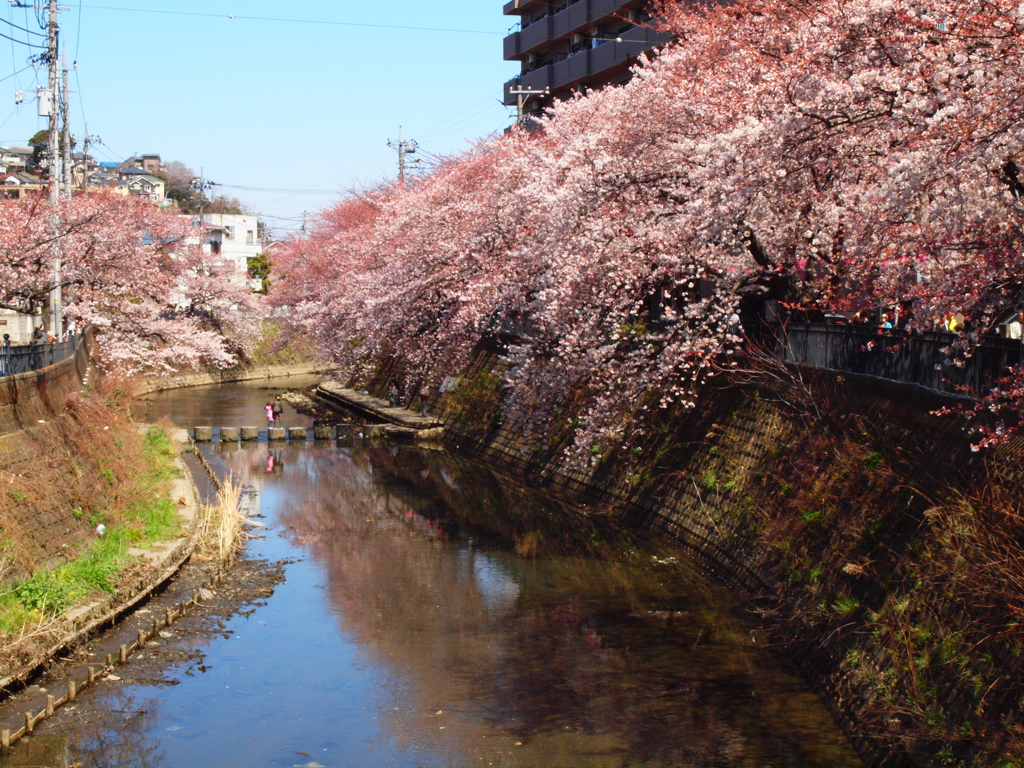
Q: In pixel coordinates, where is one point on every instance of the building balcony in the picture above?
(590, 64)
(518, 7)
(576, 18)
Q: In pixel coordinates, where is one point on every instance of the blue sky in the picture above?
(266, 100)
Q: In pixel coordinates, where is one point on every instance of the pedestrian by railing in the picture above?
(39, 354)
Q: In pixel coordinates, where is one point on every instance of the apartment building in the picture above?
(569, 45)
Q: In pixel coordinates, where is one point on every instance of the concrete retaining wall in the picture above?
(28, 397)
(251, 373)
(707, 477)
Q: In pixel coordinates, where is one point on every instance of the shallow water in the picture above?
(437, 613)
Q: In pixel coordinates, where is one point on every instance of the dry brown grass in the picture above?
(926, 594)
(220, 528)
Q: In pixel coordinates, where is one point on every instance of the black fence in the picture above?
(927, 359)
(32, 357)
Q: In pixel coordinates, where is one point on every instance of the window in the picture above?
(248, 237)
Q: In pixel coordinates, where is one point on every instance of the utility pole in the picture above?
(403, 148)
(200, 186)
(87, 142)
(522, 96)
(52, 31)
(69, 167)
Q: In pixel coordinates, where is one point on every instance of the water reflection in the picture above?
(446, 615)
(576, 646)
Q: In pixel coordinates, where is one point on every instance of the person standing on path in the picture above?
(278, 411)
(269, 408)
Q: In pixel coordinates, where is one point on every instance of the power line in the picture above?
(16, 73)
(458, 127)
(5, 122)
(78, 34)
(22, 29)
(23, 42)
(294, 21)
(275, 189)
(431, 127)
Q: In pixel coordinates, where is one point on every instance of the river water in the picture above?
(435, 612)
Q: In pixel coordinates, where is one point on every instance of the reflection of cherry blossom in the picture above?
(826, 153)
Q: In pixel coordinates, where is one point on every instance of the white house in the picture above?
(18, 326)
(237, 239)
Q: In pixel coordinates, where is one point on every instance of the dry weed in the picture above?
(220, 528)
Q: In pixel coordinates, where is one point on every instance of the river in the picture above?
(432, 611)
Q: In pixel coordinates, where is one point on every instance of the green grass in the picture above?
(48, 594)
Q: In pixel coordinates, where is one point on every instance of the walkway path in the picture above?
(375, 406)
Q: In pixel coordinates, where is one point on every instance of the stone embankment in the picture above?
(399, 422)
(25, 398)
(245, 373)
(830, 502)
(162, 560)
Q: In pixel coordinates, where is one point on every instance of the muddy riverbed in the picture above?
(402, 606)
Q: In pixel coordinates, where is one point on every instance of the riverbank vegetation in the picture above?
(831, 156)
(220, 529)
(77, 493)
(913, 575)
(276, 343)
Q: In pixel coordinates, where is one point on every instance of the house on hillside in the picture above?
(84, 165)
(15, 159)
(144, 185)
(14, 186)
(145, 163)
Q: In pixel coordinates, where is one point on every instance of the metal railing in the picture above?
(32, 357)
(912, 358)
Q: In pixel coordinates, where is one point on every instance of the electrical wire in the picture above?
(22, 29)
(78, 33)
(22, 42)
(294, 21)
(274, 189)
(459, 127)
(5, 122)
(425, 129)
(16, 73)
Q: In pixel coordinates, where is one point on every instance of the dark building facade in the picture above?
(568, 45)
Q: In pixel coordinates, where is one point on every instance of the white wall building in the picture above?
(19, 326)
(237, 239)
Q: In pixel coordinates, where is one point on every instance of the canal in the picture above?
(415, 607)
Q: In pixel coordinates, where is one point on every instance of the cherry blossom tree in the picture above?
(136, 274)
(825, 154)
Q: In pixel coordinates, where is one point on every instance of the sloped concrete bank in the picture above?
(162, 561)
(819, 502)
(25, 398)
(248, 373)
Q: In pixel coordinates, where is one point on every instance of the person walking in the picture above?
(392, 394)
(278, 411)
